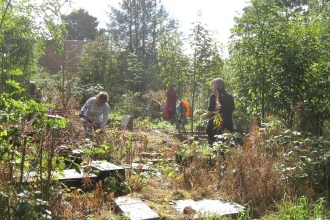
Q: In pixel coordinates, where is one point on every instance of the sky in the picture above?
(216, 14)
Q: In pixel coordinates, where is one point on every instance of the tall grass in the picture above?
(272, 170)
(272, 163)
(299, 209)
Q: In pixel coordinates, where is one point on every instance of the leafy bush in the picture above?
(21, 155)
(84, 92)
(147, 105)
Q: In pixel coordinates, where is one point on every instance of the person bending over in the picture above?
(95, 113)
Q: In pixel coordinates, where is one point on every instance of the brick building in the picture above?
(53, 62)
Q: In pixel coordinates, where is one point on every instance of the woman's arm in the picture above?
(211, 108)
(87, 105)
(105, 115)
(208, 114)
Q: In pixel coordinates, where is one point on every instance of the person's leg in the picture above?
(87, 129)
(210, 132)
(211, 139)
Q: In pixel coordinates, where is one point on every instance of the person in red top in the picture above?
(170, 105)
(220, 103)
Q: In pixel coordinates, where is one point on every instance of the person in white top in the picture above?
(95, 113)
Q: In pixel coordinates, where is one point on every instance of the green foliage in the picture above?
(278, 61)
(80, 25)
(51, 87)
(137, 181)
(303, 160)
(194, 151)
(228, 141)
(116, 184)
(161, 124)
(279, 66)
(134, 76)
(173, 62)
(98, 64)
(21, 155)
(25, 205)
(135, 27)
(245, 215)
(299, 208)
(85, 92)
(23, 37)
(207, 64)
(309, 156)
(132, 104)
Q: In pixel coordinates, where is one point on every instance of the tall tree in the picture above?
(135, 26)
(255, 40)
(23, 36)
(134, 76)
(173, 62)
(80, 25)
(98, 64)
(206, 64)
(275, 52)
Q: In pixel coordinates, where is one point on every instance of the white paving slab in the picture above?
(135, 208)
(202, 207)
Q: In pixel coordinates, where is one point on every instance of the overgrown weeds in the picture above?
(258, 170)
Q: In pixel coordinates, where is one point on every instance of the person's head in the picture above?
(218, 84)
(102, 98)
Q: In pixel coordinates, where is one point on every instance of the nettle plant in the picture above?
(26, 149)
(192, 152)
(227, 141)
(303, 159)
(306, 161)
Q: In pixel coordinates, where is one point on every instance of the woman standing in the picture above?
(95, 113)
(220, 103)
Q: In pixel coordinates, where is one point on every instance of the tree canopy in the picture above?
(23, 38)
(135, 27)
(279, 59)
(80, 25)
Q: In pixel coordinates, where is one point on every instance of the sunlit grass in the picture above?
(299, 209)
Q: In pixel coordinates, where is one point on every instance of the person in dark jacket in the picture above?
(221, 103)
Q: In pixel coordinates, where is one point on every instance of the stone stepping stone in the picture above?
(154, 161)
(28, 177)
(77, 153)
(98, 170)
(71, 177)
(135, 209)
(127, 122)
(139, 167)
(207, 206)
(105, 169)
(150, 155)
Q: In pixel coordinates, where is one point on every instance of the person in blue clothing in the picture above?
(95, 113)
(220, 103)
